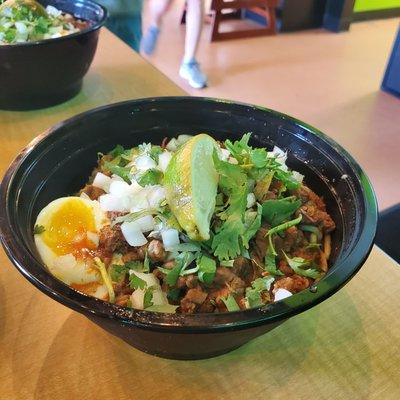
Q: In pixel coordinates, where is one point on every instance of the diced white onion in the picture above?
(281, 294)
(170, 238)
(159, 297)
(172, 145)
(225, 154)
(156, 195)
(84, 196)
(251, 200)
(93, 237)
(51, 10)
(299, 177)
(137, 298)
(21, 27)
(139, 201)
(102, 181)
(232, 160)
(280, 155)
(133, 234)
(144, 163)
(109, 202)
(163, 160)
(120, 188)
(146, 223)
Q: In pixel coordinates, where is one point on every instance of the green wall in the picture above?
(369, 5)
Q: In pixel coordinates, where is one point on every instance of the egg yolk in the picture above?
(66, 231)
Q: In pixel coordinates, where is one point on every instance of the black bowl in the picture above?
(48, 72)
(58, 163)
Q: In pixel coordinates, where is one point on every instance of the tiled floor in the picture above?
(328, 80)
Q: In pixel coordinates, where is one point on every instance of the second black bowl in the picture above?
(41, 74)
(59, 162)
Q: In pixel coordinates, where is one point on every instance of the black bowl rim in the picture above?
(191, 323)
(92, 28)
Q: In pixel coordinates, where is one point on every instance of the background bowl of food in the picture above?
(188, 235)
(45, 50)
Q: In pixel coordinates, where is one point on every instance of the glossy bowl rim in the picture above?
(190, 323)
(92, 28)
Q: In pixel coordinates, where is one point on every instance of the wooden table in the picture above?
(345, 348)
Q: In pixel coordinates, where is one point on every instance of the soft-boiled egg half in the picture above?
(66, 235)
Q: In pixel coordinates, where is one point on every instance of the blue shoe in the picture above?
(149, 40)
(192, 73)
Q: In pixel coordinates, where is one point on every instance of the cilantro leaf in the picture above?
(117, 151)
(261, 284)
(135, 282)
(278, 210)
(298, 264)
(155, 152)
(135, 266)
(122, 172)
(287, 178)
(118, 272)
(253, 228)
(230, 303)
(38, 229)
(207, 267)
(270, 264)
(148, 297)
(253, 298)
(173, 294)
(150, 177)
(233, 183)
(253, 293)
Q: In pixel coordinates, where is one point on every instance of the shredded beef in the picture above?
(294, 283)
(111, 239)
(156, 251)
(92, 191)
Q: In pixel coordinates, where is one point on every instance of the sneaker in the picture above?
(149, 40)
(192, 73)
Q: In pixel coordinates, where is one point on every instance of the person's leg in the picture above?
(157, 10)
(194, 26)
(190, 68)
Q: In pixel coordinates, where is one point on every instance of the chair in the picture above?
(266, 8)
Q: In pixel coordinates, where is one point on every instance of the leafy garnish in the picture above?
(38, 229)
(182, 261)
(148, 297)
(298, 264)
(253, 228)
(270, 264)
(163, 308)
(174, 294)
(136, 283)
(150, 177)
(258, 286)
(278, 210)
(155, 152)
(118, 272)
(233, 183)
(280, 228)
(230, 303)
(207, 267)
(122, 172)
